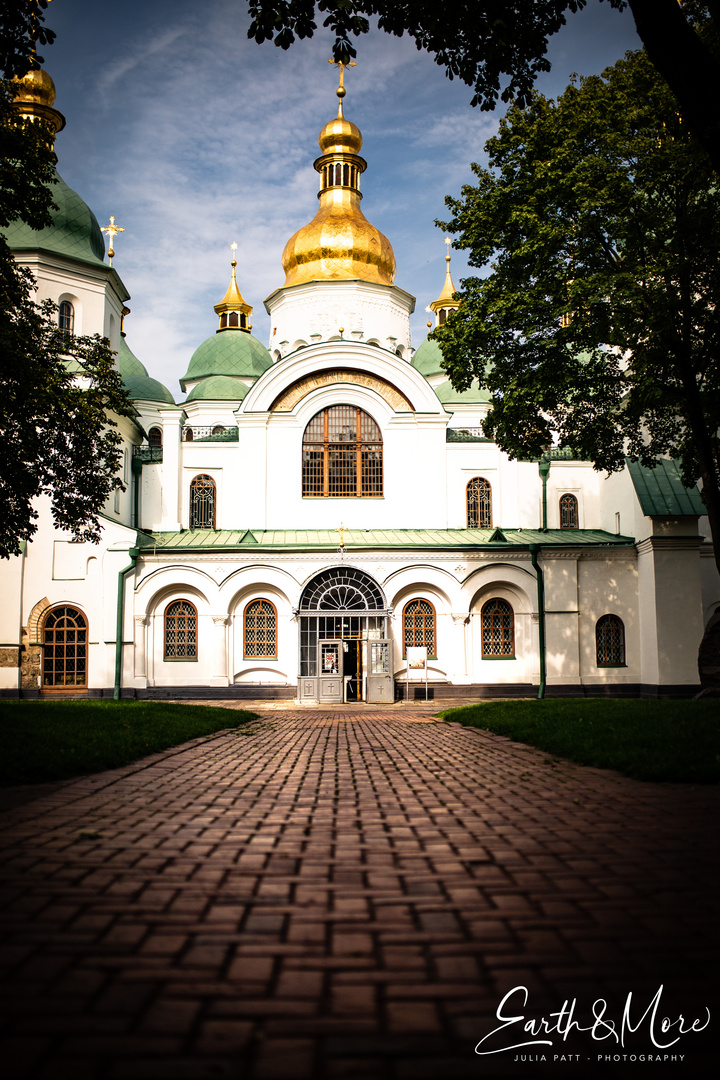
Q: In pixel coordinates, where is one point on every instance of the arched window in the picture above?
(610, 641)
(568, 512)
(342, 454)
(202, 502)
(218, 429)
(65, 637)
(260, 629)
(155, 436)
(233, 318)
(66, 317)
(180, 631)
(419, 626)
(498, 630)
(479, 503)
(189, 434)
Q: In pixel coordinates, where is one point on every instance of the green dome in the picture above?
(218, 388)
(137, 382)
(228, 352)
(74, 232)
(428, 358)
(447, 393)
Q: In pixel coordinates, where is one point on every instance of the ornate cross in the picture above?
(341, 529)
(341, 88)
(111, 230)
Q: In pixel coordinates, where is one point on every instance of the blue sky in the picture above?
(195, 137)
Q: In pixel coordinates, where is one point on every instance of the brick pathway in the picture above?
(349, 894)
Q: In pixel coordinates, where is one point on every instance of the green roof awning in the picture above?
(662, 493)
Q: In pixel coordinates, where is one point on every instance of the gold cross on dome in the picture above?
(341, 529)
(448, 241)
(111, 231)
(342, 64)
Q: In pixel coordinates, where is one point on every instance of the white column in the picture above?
(460, 620)
(219, 668)
(140, 647)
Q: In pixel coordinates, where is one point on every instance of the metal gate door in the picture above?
(330, 683)
(380, 673)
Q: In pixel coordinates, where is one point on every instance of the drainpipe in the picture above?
(133, 553)
(534, 550)
(544, 469)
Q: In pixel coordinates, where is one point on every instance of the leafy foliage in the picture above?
(599, 320)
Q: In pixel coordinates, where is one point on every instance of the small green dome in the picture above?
(228, 352)
(137, 382)
(74, 231)
(428, 358)
(218, 388)
(447, 393)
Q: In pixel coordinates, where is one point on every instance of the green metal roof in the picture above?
(360, 539)
(74, 231)
(139, 385)
(447, 393)
(662, 493)
(218, 388)
(228, 352)
(428, 358)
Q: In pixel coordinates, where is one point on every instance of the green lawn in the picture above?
(54, 740)
(648, 740)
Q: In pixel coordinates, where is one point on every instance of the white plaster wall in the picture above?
(609, 586)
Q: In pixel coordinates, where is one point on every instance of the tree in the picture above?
(599, 321)
(55, 390)
(481, 41)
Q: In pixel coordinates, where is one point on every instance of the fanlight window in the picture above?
(610, 641)
(260, 629)
(65, 639)
(181, 631)
(202, 502)
(479, 503)
(568, 512)
(342, 589)
(498, 630)
(342, 454)
(419, 626)
(66, 317)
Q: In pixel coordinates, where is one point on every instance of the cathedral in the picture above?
(322, 518)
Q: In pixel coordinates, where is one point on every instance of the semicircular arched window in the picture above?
(260, 630)
(498, 630)
(610, 641)
(155, 436)
(66, 317)
(181, 631)
(342, 454)
(202, 502)
(479, 503)
(419, 626)
(568, 512)
(65, 642)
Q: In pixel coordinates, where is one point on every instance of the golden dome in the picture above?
(339, 243)
(34, 98)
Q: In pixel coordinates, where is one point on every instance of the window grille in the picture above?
(419, 626)
(66, 317)
(498, 630)
(479, 504)
(342, 589)
(155, 436)
(202, 502)
(568, 512)
(65, 636)
(181, 631)
(342, 454)
(260, 629)
(610, 641)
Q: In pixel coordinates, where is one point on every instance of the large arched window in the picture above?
(342, 454)
(568, 512)
(155, 436)
(65, 637)
(498, 630)
(66, 317)
(202, 502)
(419, 626)
(610, 641)
(181, 631)
(479, 503)
(260, 629)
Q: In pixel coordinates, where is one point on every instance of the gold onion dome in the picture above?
(339, 243)
(35, 97)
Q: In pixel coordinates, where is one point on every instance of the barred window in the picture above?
(419, 626)
(66, 317)
(65, 638)
(568, 512)
(155, 436)
(342, 454)
(260, 629)
(181, 631)
(498, 630)
(202, 502)
(610, 641)
(479, 503)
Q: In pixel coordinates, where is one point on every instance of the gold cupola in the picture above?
(234, 312)
(445, 302)
(34, 99)
(339, 243)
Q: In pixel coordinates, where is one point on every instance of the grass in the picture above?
(647, 740)
(42, 741)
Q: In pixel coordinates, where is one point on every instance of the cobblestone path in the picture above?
(349, 894)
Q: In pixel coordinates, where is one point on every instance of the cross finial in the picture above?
(447, 247)
(341, 529)
(233, 248)
(111, 230)
(342, 64)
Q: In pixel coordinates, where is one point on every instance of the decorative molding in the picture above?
(288, 398)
